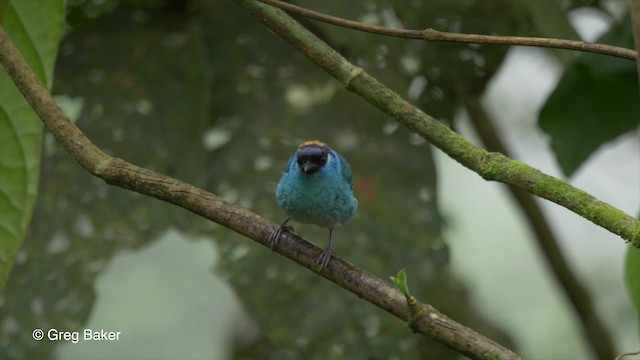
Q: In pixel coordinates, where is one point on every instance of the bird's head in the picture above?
(311, 156)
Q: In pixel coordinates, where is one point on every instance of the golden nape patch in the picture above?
(317, 143)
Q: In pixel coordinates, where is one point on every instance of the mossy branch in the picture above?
(120, 173)
(490, 165)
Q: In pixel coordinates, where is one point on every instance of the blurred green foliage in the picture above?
(202, 92)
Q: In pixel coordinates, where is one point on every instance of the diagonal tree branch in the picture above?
(491, 166)
(435, 35)
(422, 318)
(594, 330)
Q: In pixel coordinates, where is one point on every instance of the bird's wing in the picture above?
(345, 170)
(288, 166)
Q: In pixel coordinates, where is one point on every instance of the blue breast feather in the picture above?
(324, 198)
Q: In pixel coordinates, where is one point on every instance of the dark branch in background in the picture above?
(491, 166)
(422, 318)
(434, 35)
(594, 330)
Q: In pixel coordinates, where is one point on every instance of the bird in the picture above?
(316, 188)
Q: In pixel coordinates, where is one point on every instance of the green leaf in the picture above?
(401, 282)
(35, 28)
(632, 275)
(595, 101)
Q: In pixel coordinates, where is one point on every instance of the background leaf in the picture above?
(35, 28)
(596, 98)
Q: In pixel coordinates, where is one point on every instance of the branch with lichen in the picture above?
(491, 166)
(423, 318)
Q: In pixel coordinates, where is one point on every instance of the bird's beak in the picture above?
(308, 167)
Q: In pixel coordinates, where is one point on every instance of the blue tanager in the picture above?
(316, 188)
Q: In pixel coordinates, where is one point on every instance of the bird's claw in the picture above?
(274, 238)
(325, 257)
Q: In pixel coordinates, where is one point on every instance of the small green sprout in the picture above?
(401, 283)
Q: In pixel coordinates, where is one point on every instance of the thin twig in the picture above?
(594, 329)
(435, 35)
(120, 173)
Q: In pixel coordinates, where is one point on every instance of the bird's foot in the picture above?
(323, 259)
(277, 233)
